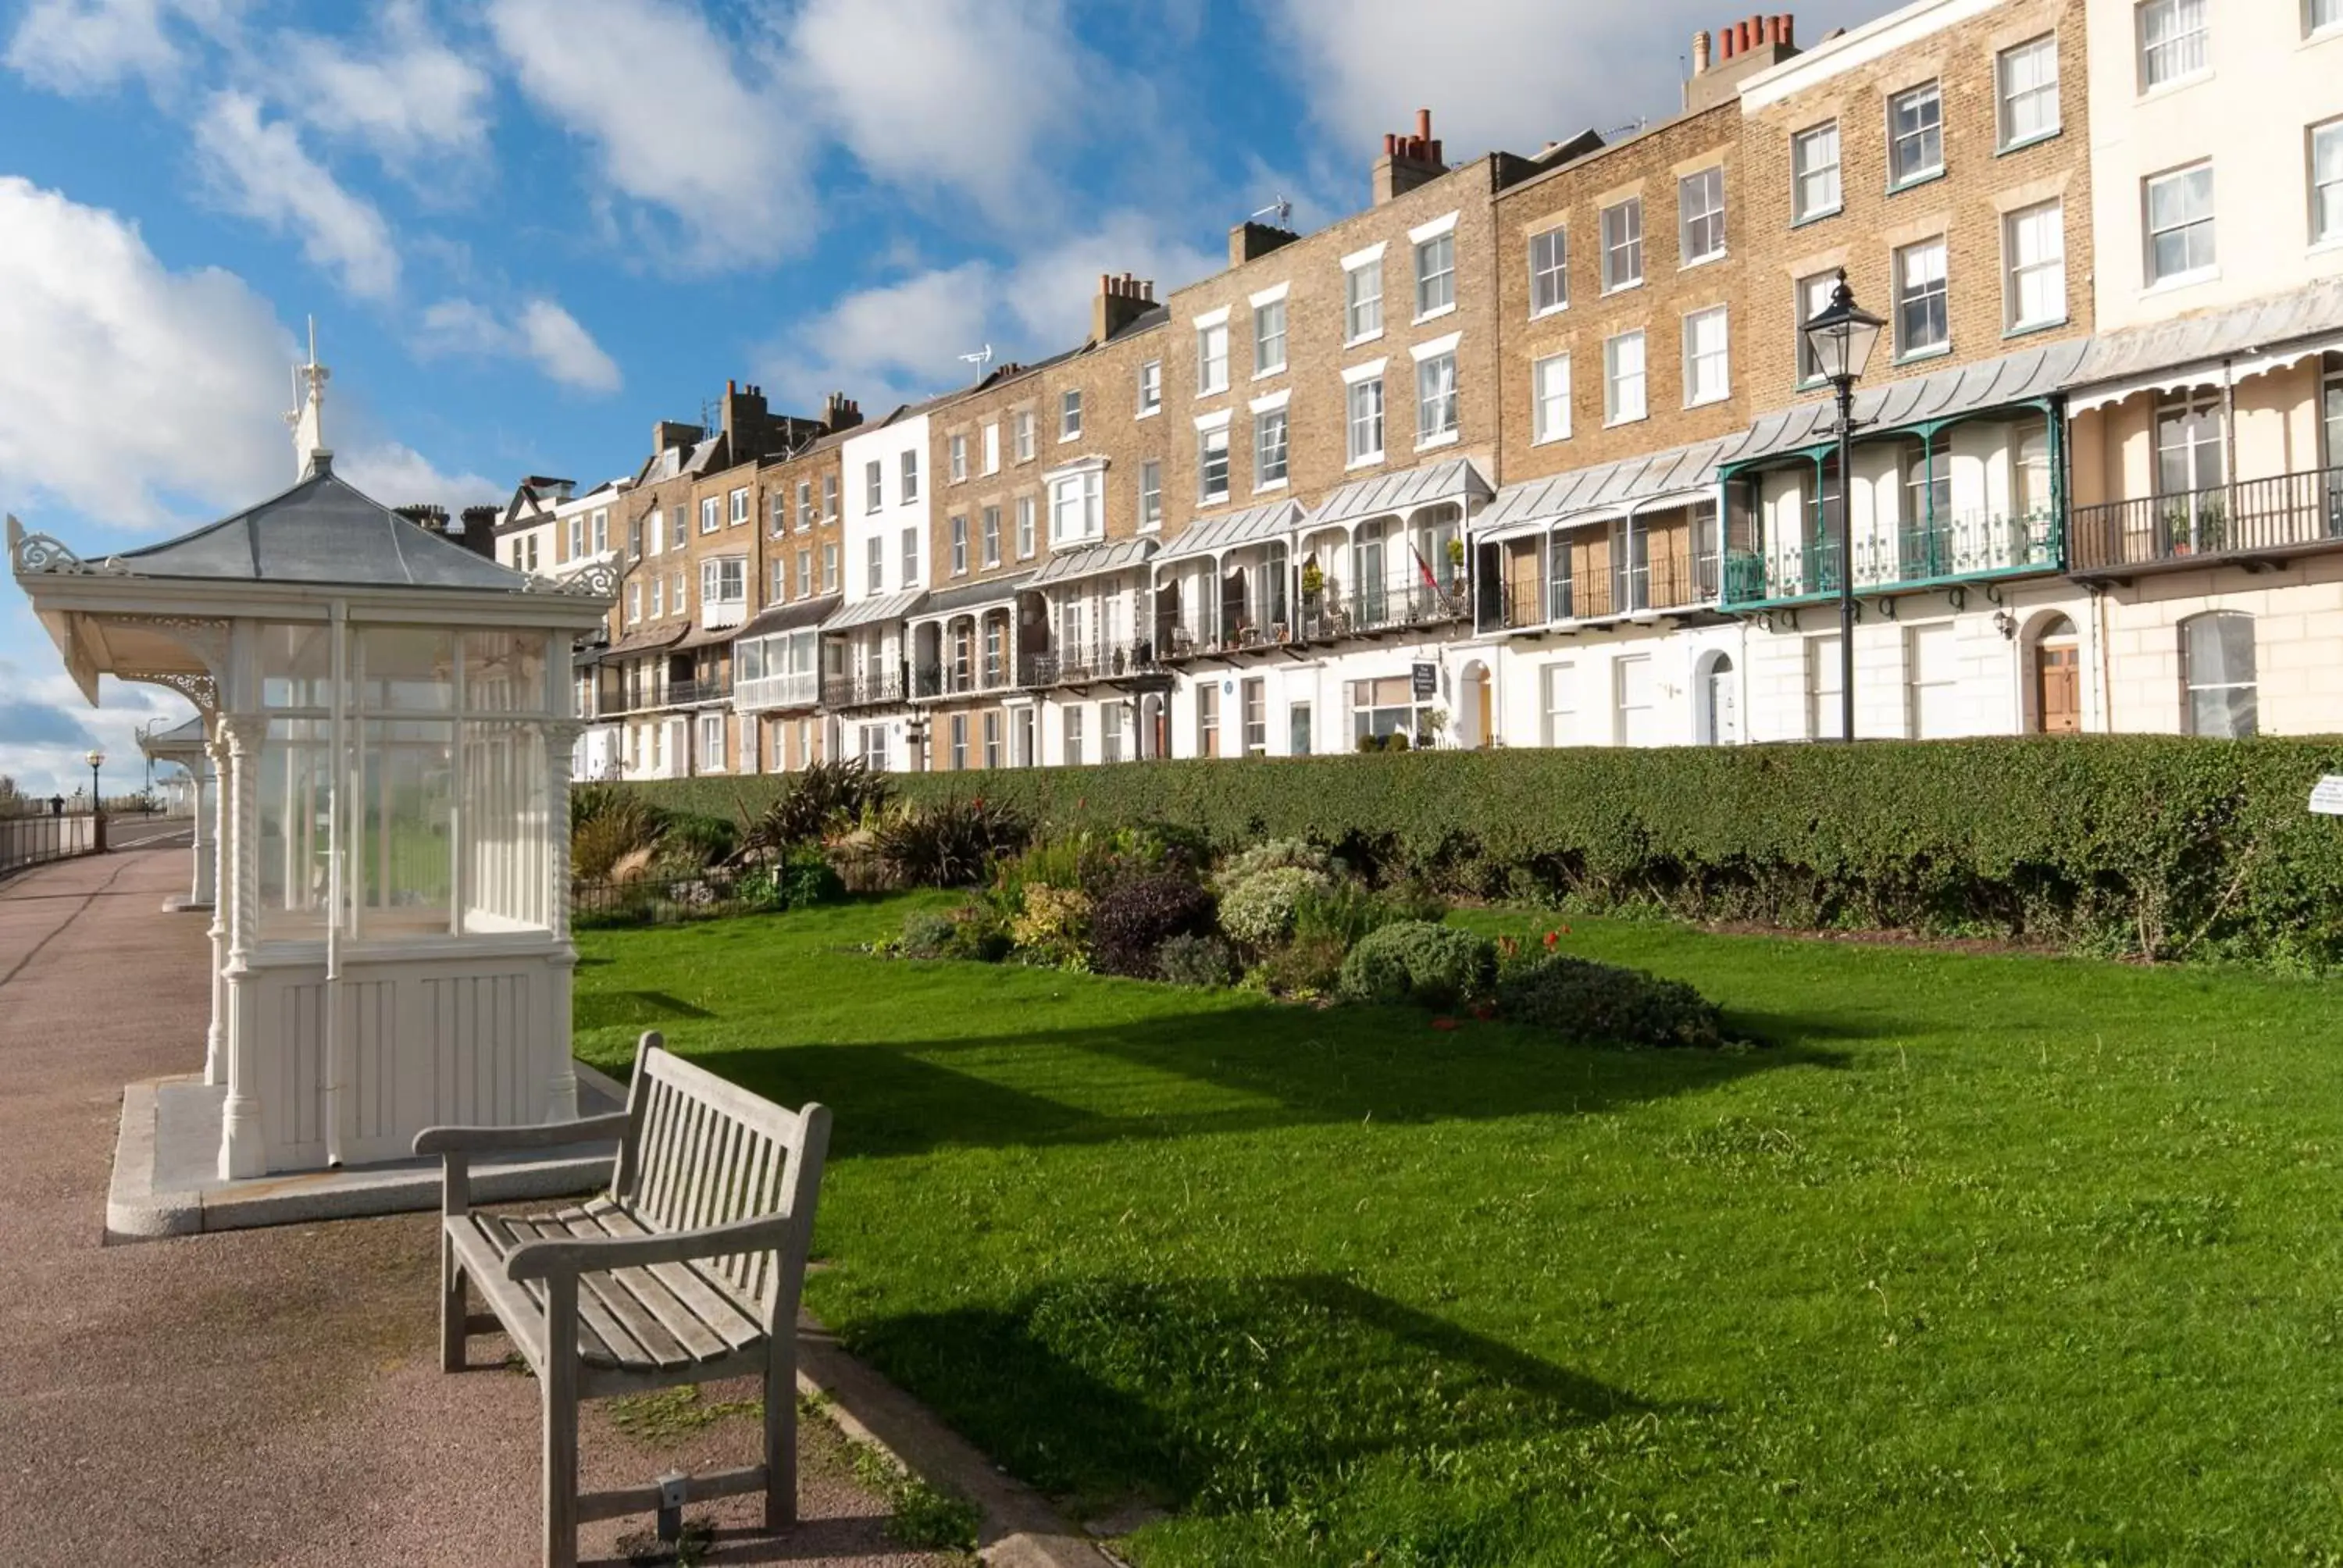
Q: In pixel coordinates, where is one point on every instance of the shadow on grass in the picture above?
(630, 1010)
(1290, 1066)
(1220, 1395)
(1786, 1030)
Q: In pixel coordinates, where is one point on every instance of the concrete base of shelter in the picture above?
(187, 904)
(166, 1177)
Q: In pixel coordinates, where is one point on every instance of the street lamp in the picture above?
(1841, 337)
(95, 759)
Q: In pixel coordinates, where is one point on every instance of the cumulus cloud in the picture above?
(399, 476)
(900, 340)
(688, 129)
(46, 728)
(403, 93)
(542, 333)
(929, 119)
(1512, 74)
(95, 46)
(260, 169)
(125, 386)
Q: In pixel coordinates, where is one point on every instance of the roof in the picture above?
(707, 636)
(1455, 478)
(968, 596)
(796, 617)
(1946, 394)
(179, 740)
(1627, 482)
(324, 531)
(1251, 526)
(2246, 331)
(871, 611)
(1092, 560)
(651, 641)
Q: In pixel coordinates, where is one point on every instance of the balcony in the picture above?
(934, 681)
(1091, 664)
(1671, 583)
(1333, 613)
(2254, 517)
(698, 692)
(1948, 553)
(802, 689)
(871, 689)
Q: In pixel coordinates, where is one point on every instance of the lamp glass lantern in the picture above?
(1842, 335)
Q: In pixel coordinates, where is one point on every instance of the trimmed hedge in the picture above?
(2160, 846)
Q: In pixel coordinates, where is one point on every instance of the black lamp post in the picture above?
(1841, 337)
(95, 759)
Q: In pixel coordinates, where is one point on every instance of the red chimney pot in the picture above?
(1423, 124)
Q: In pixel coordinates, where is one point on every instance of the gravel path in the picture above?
(261, 1396)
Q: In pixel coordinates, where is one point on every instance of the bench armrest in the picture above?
(539, 1135)
(598, 1255)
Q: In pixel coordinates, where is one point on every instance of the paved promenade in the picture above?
(257, 1396)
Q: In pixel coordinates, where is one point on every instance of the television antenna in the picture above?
(1281, 207)
(982, 357)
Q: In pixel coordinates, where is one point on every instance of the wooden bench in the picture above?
(687, 1270)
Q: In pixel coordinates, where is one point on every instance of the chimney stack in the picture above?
(431, 519)
(840, 412)
(1408, 161)
(1742, 49)
(480, 531)
(1249, 240)
(1119, 302)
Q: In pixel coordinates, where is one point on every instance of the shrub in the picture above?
(1415, 960)
(1161, 846)
(797, 880)
(1204, 962)
(1309, 965)
(1053, 927)
(927, 934)
(694, 842)
(1343, 912)
(1071, 863)
(816, 801)
(949, 843)
(1134, 919)
(981, 933)
(608, 825)
(1584, 1000)
(1260, 911)
(1271, 855)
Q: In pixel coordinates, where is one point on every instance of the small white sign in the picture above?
(2326, 798)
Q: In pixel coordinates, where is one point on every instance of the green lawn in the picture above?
(1983, 1260)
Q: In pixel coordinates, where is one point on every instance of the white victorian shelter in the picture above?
(390, 718)
(188, 746)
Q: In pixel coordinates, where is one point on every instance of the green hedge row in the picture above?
(2158, 845)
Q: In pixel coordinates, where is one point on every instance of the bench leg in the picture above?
(452, 1310)
(559, 1382)
(780, 1433)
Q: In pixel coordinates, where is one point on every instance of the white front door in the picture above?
(1724, 716)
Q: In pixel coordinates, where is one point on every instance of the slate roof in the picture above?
(323, 531)
(1619, 485)
(1453, 480)
(1092, 560)
(1254, 524)
(871, 611)
(968, 596)
(1943, 394)
(796, 617)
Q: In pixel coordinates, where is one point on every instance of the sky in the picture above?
(526, 229)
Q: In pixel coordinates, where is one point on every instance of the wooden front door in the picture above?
(2058, 687)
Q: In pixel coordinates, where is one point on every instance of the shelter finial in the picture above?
(310, 453)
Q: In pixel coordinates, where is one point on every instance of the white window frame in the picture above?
(1077, 503)
(1700, 206)
(736, 512)
(874, 486)
(2208, 221)
(1436, 275)
(711, 514)
(1804, 308)
(1437, 418)
(2006, 96)
(2327, 194)
(1926, 99)
(1272, 459)
(959, 545)
(1021, 424)
(956, 455)
(1698, 361)
(875, 561)
(1623, 250)
(1558, 703)
(909, 488)
(1549, 275)
(830, 568)
(1213, 439)
(912, 557)
(992, 446)
(2018, 270)
(1362, 296)
(1213, 353)
(1940, 287)
(1070, 414)
(989, 534)
(1027, 506)
(2183, 52)
(1616, 406)
(2320, 17)
(1268, 336)
(2192, 682)
(1151, 389)
(1549, 407)
(1151, 495)
(1815, 164)
(1363, 414)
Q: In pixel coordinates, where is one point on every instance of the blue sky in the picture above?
(528, 229)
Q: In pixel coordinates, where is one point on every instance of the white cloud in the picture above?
(403, 93)
(260, 170)
(95, 46)
(900, 341)
(930, 117)
(126, 387)
(47, 727)
(543, 333)
(1512, 74)
(678, 128)
(399, 476)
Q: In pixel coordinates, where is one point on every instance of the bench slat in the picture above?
(602, 1339)
(680, 1314)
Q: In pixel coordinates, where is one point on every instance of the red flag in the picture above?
(1426, 567)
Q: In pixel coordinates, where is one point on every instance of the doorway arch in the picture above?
(2054, 686)
(1473, 707)
(1717, 690)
